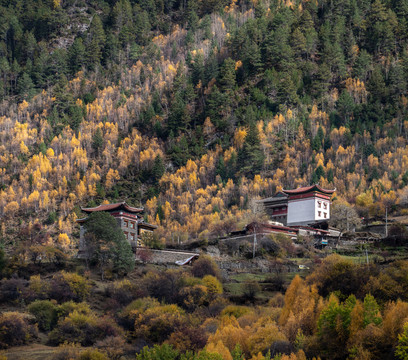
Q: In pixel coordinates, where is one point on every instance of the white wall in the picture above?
(302, 210)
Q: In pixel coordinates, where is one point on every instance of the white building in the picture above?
(302, 206)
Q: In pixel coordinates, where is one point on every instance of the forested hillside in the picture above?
(195, 108)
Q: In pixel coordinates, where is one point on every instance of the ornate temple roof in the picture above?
(115, 206)
(307, 189)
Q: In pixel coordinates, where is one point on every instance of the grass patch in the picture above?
(32, 352)
(247, 276)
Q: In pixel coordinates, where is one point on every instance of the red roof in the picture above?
(265, 226)
(307, 189)
(109, 207)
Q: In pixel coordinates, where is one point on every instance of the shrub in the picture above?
(215, 307)
(55, 256)
(275, 283)
(193, 297)
(66, 352)
(205, 265)
(398, 231)
(268, 245)
(12, 289)
(145, 255)
(76, 327)
(38, 287)
(158, 323)
(68, 307)
(123, 292)
(235, 310)
(128, 315)
(164, 286)
(69, 286)
(113, 346)
(92, 354)
(336, 274)
(85, 329)
(213, 286)
(45, 313)
(188, 338)
(162, 352)
(250, 288)
(15, 329)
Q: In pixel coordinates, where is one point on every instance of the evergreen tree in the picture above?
(3, 260)
(211, 69)
(179, 117)
(397, 81)
(76, 56)
(97, 141)
(158, 168)
(251, 156)
(142, 28)
(25, 87)
(376, 85)
(106, 245)
(277, 52)
(227, 79)
(95, 42)
(362, 66)
(345, 106)
(298, 42)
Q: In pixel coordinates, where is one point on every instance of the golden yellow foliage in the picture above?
(219, 348)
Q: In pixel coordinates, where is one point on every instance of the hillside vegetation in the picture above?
(193, 109)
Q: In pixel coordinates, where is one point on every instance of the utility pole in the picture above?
(386, 221)
(347, 217)
(254, 248)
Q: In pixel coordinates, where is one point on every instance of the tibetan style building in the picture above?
(302, 206)
(129, 219)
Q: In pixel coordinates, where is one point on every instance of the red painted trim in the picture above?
(309, 196)
(126, 215)
(280, 212)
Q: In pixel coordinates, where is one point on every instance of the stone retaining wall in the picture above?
(162, 256)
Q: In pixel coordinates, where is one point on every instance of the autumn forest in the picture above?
(194, 110)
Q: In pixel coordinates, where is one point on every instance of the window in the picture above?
(325, 215)
(319, 213)
(132, 225)
(325, 206)
(319, 204)
(125, 223)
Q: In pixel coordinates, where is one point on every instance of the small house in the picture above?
(129, 219)
(302, 206)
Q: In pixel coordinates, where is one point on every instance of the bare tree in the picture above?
(344, 217)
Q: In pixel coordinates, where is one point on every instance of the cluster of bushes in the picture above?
(72, 322)
(189, 290)
(112, 348)
(16, 329)
(345, 278)
(62, 286)
(154, 308)
(342, 310)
